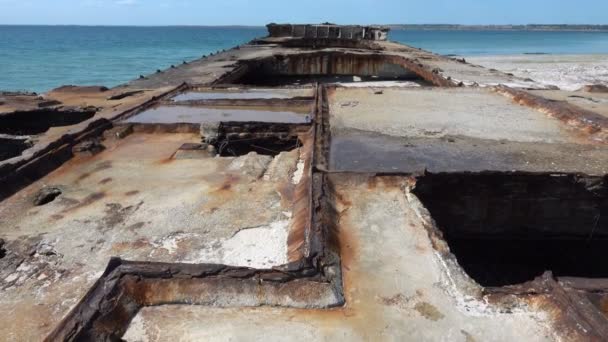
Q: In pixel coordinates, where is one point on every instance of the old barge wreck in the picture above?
(321, 183)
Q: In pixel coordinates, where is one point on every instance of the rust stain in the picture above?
(301, 207)
(229, 181)
(348, 248)
(166, 161)
(105, 181)
(342, 200)
(429, 311)
(136, 226)
(223, 193)
(92, 198)
(287, 192)
(84, 176)
(300, 222)
(590, 124)
(468, 337)
(120, 247)
(372, 183)
(104, 165)
(604, 305)
(67, 201)
(132, 193)
(399, 300)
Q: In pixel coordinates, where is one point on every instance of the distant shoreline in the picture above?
(399, 27)
(532, 27)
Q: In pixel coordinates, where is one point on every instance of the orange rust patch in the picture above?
(120, 247)
(228, 182)
(591, 124)
(372, 183)
(84, 176)
(165, 161)
(342, 200)
(604, 305)
(348, 247)
(222, 194)
(286, 190)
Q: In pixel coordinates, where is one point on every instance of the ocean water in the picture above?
(479, 43)
(39, 58)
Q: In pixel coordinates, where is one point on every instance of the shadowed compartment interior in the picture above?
(325, 68)
(507, 229)
(39, 121)
(12, 147)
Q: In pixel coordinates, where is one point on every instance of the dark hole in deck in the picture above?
(323, 68)
(507, 229)
(46, 195)
(12, 147)
(39, 121)
(268, 145)
(2, 249)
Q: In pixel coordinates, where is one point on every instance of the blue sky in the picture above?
(249, 12)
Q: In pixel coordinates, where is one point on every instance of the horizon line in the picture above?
(264, 25)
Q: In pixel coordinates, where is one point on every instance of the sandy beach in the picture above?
(568, 72)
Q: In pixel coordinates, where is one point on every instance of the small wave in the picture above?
(536, 53)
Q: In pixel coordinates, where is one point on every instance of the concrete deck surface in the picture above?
(134, 200)
(396, 287)
(143, 200)
(471, 129)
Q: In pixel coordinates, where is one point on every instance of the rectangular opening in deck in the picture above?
(13, 146)
(302, 69)
(270, 139)
(39, 121)
(507, 229)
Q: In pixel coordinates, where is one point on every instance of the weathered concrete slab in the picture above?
(134, 200)
(595, 102)
(441, 130)
(396, 286)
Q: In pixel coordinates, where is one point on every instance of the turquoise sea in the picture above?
(39, 58)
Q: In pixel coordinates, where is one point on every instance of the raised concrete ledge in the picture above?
(328, 31)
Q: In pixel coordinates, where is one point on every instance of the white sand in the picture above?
(568, 72)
